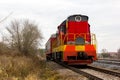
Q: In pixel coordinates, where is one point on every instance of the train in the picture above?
(73, 43)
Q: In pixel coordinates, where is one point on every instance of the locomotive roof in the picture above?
(63, 23)
(72, 18)
(78, 15)
(83, 17)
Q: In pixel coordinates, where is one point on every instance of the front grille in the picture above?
(82, 56)
(71, 57)
(79, 56)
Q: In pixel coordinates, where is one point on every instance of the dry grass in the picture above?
(16, 66)
(13, 67)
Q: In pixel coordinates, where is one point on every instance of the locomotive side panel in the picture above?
(48, 47)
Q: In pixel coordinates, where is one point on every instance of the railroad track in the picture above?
(109, 62)
(111, 72)
(116, 60)
(88, 75)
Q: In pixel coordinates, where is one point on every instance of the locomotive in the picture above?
(73, 43)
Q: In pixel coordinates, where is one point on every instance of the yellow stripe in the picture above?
(60, 48)
(80, 48)
(63, 47)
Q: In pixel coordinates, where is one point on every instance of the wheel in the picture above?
(47, 59)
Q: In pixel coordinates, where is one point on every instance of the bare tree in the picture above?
(15, 33)
(31, 37)
(105, 53)
(24, 36)
(104, 50)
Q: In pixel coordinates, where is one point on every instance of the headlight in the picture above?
(78, 18)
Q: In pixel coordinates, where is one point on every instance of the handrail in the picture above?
(84, 35)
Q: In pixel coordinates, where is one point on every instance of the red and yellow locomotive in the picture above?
(73, 43)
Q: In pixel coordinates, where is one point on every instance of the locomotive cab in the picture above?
(75, 30)
(62, 28)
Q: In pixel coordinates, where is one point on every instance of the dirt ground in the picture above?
(65, 74)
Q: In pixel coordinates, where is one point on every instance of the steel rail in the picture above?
(108, 62)
(117, 60)
(107, 71)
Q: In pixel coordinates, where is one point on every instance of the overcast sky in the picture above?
(104, 17)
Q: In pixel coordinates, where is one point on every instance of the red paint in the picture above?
(81, 29)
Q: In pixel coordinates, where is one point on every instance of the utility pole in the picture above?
(6, 17)
(4, 20)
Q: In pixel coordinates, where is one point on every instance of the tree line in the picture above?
(106, 54)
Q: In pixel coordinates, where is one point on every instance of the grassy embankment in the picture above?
(14, 66)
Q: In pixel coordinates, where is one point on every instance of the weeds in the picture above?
(25, 68)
